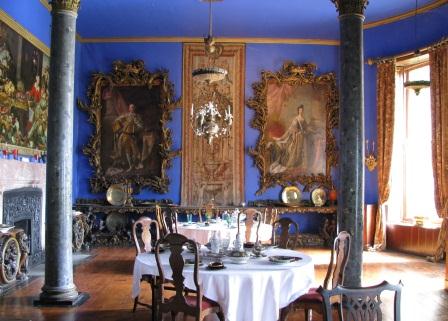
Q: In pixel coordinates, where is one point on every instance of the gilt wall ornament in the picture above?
(130, 144)
(296, 113)
(350, 6)
(71, 5)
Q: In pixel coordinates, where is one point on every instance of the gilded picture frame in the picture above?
(131, 144)
(296, 113)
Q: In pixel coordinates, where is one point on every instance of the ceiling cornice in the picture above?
(14, 25)
(373, 24)
(405, 15)
(324, 42)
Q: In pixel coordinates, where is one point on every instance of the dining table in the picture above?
(256, 290)
(202, 232)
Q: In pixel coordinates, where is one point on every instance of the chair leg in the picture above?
(135, 304)
(173, 315)
(283, 313)
(308, 314)
(221, 316)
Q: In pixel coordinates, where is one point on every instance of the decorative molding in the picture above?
(70, 5)
(14, 25)
(46, 4)
(405, 15)
(323, 42)
(350, 6)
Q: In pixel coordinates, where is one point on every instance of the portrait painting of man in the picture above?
(130, 131)
(131, 143)
(295, 129)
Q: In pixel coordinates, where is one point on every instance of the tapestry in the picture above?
(24, 76)
(214, 172)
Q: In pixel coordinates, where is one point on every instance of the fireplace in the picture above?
(22, 207)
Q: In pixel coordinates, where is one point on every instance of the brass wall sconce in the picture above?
(370, 156)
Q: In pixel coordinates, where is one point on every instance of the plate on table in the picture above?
(216, 266)
(291, 196)
(190, 262)
(283, 259)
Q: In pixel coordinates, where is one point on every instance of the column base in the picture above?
(71, 302)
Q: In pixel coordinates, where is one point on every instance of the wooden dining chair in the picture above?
(167, 219)
(195, 305)
(312, 300)
(270, 215)
(253, 216)
(144, 242)
(287, 238)
(360, 304)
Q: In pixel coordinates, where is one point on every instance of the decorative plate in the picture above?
(291, 196)
(116, 195)
(282, 259)
(318, 196)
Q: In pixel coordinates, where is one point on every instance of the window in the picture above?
(412, 182)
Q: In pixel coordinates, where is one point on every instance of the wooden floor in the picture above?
(107, 276)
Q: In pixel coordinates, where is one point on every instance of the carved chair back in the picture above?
(360, 304)
(287, 239)
(270, 215)
(177, 303)
(339, 257)
(252, 217)
(167, 220)
(141, 233)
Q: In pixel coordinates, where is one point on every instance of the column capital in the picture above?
(71, 5)
(350, 6)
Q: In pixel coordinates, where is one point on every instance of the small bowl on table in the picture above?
(239, 257)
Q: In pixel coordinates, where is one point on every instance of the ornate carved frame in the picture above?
(130, 74)
(293, 74)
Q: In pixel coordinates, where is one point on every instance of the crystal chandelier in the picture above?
(213, 118)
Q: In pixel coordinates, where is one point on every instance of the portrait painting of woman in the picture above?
(295, 130)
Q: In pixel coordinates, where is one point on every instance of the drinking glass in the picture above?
(189, 218)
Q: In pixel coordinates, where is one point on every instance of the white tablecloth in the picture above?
(246, 292)
(202, 234)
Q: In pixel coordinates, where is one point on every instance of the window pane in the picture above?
(412, 182)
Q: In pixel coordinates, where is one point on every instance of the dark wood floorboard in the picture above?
(107, 277)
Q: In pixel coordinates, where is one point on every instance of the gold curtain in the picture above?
(385, 91)
(438, 61)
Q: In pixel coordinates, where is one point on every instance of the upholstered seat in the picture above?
(312, 300)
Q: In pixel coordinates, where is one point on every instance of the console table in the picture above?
(110, 225)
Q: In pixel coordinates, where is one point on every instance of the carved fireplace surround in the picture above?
(23, 186)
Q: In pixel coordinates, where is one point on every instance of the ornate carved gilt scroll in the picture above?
(129, 109)
(296, 113)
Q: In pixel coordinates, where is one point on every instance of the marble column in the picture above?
(59, 288)
(351, 132)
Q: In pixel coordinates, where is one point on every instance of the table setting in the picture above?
(250, 281)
